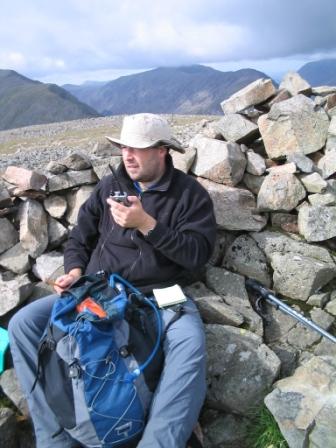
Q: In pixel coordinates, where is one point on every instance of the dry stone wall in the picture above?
(269, 165)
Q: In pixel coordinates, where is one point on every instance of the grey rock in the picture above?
(16, 259)
(299, 276)
(47, 264)
(314, 183)
(280, 192)
(255, 163)
(231, 287)
(293, 126)
(295, 84)
(245, 257)
(11, 387)
(14, 292)
(9, 236)
(77, 161)
(236, 128)
(253, 183)
(212, 307)
(304, 404)
(235, 208)
(219, 161)
(251, 95)
(317, 223)
(302, 162)
(75, 199)
(71, 179)
(33, 228)
(327, 164)
(240, 369)
(55, 205)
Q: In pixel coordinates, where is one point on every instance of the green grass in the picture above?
(264, 431)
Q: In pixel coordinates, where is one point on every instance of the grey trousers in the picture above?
(178, 398)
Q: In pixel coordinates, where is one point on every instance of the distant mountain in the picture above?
(320, 73)
(24, 102)
(194, 89)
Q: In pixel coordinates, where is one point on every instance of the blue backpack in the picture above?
(100, 359)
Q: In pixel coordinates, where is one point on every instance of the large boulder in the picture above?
(304, 405)
(241, 369)
(294, 126)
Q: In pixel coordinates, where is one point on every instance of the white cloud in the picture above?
(81, 36)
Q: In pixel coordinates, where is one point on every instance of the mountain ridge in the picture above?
(25, 102)
(321, 72)
(194, 89)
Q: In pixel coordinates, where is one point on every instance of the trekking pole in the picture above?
(264, 293)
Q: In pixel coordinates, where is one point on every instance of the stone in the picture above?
(75, 200)
(280, 192)
(71, 179)
(245, 257)
(302, 162)
(255, 163)
(331, 307)
(235, 208)
(253, 183)
(298, 277)
(314, 183)
(57, 233)
(304, 404)
(11, 387)
(327, 164)
(77, 161)
(293, 126)
(240, 369)
(212, 307)
(328, 198)
(25, 179)
(331, 139)
(295, 84)
(55, 205)
(231, 287)
(9, 236)
(16, 259)
(219, 161)
(286, 168)
(14, 292)
(47, 264)
(33, 228)
(183, 162)
(255, 93)
(225, 430)
(236, 128)
(317, 223)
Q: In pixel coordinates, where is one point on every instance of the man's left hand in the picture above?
(131, 216)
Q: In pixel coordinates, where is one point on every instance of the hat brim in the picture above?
(172, 144)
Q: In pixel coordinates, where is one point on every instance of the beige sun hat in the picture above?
(145, 131)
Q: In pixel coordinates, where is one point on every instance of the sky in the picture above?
(72, 41)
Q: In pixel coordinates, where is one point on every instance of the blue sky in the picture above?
(71, 41)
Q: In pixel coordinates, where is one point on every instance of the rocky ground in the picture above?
(35, 146)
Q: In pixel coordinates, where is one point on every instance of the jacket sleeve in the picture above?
(191, 242)
(84, 236)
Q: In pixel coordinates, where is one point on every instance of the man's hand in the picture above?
(132, 216)
(64, 281)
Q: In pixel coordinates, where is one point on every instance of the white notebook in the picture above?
(169, 296)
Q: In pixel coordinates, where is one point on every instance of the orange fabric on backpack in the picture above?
(91, 305)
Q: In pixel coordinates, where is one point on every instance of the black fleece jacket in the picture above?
(181, 242)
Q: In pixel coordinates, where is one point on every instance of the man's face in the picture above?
(144, 165)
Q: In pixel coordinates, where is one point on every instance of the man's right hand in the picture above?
(65, 281)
